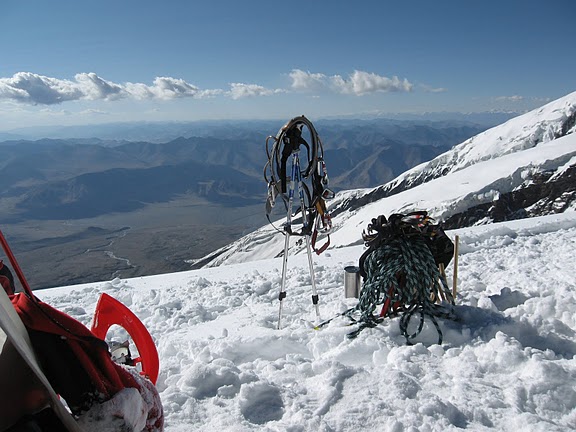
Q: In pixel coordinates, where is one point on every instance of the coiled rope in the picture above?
(402, 274)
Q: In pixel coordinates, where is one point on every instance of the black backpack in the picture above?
(414, 224)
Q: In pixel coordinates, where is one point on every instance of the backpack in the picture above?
(411, 225)
(77, 363)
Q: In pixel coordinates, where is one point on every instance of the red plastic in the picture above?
(109, 312)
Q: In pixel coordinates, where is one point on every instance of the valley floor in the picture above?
(161, 238)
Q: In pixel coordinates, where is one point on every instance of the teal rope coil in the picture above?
(402, 270)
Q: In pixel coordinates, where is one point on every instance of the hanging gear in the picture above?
(400, 270)
(313, 176)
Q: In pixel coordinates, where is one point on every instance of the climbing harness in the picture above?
(310, 177)
(308, 181)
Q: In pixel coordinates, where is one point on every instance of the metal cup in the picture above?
(351, 281)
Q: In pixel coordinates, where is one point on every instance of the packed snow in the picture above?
(508, 364)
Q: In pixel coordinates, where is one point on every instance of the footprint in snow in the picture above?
(261, 403)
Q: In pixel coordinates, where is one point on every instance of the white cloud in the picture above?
(32, 88)
(307, 81)
(361, 83)
(515, 98)
(93, 87)
(239, 90)
(168, 88)
(430, 89)
(94, 112)
(358, 83)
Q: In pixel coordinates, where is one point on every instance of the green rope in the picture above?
(402, 270)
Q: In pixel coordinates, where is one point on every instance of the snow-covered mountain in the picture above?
(524, 167)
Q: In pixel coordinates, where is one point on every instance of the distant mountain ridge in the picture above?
(122, 190)
(78, 178)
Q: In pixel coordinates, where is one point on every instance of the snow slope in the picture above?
(527, 131)
(477, 171)
(508, 365)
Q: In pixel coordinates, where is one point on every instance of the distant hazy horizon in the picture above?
(171, 128)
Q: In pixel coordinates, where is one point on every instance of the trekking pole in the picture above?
(442, 272)
(282, 293)
(455, 275)
(307, 230)
(287, 232)
(296, 183)
(312, 278)
(287, 145)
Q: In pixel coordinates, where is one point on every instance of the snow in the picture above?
(125, 408)
(509, 363)
(130, 409)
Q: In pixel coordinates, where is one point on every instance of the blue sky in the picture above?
(75, 62)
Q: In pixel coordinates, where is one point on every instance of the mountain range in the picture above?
(91, 208)
(72, 179)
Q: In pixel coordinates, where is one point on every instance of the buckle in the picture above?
(328, 194)
(324, 224)
(272, 194)
(322, 172)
